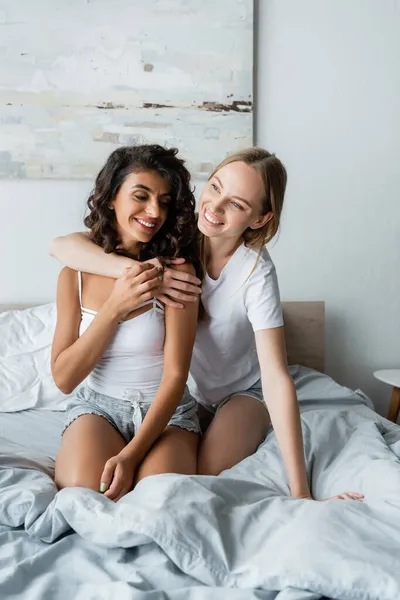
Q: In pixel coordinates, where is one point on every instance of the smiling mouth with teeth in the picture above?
(210, 219)
(146, 223)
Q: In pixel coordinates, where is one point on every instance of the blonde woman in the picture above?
(238, 373)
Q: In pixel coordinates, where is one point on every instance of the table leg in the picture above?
(394, 407)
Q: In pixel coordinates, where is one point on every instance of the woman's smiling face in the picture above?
(232, 202)
(141, 207)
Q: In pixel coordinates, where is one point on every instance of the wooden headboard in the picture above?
(304, 332)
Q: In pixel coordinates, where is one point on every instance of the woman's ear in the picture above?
(263, 220)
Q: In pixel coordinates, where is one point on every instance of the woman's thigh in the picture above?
(174, 452)
(235, 433)
(86, 445)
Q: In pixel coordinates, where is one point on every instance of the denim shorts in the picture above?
(127, 415)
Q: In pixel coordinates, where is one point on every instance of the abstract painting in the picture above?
(80, 77)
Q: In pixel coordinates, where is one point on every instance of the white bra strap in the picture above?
(157, 305)
(80, 288)
(89, 311)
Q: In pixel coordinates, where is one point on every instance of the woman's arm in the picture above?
(78, 252)
(180, 332)
(74, 357)
(280, 397)
(180, 327)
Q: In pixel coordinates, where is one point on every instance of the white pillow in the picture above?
(25, 346)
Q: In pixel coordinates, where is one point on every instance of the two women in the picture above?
(238, 372)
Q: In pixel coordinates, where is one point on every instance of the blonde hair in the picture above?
(274, 178)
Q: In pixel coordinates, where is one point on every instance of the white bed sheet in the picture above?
(40, 430)
(235, 536)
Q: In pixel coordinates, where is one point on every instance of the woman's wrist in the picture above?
(300, 492)
(130, 453)
(122, 263)
(110, 312)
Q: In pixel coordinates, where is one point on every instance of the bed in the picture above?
(235, 536)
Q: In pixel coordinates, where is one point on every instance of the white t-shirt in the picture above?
(238, 303)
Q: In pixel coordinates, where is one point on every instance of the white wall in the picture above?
(32, 213)
(328, 104)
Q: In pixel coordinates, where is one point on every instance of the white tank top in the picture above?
(132, 365)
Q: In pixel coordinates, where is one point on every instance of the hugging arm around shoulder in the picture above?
(78, 252)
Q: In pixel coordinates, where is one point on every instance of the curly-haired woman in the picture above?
(134, 416)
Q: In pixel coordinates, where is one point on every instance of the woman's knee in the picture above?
(207, 466)
(174, 452)
(87, 443)
(77, 476)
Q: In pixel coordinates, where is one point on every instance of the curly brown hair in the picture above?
(178, 235)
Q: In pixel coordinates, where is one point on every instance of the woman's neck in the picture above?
(222, 249)
(130, 248)
(218, 253)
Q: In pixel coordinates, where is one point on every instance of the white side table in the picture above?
(392, 377)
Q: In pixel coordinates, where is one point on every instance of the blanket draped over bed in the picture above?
(178, 537)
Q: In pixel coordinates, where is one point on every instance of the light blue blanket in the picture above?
(190, 538)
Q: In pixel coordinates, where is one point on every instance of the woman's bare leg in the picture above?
(86, 446)
(235, 433)
(174, 452)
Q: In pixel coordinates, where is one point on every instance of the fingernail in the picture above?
(103, 487)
